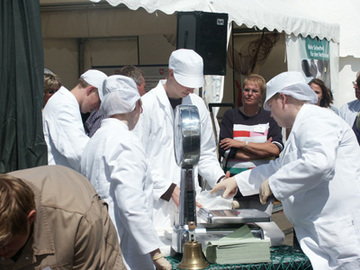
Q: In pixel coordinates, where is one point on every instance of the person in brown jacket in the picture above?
(52, 218)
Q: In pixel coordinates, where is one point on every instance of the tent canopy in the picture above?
(277, 15)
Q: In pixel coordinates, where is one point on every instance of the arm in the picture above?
(91, 240)
(65, 132)
(311, 159)
(127, 176)
(249, 150)
(226, 129)
(209, 166)
(255, 150)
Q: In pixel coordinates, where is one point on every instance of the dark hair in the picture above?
(17, 199)
(327, 97)
(134, 73)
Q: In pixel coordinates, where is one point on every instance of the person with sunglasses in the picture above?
(249, 137)
(52, 83)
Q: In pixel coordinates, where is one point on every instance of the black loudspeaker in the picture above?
(205, 33)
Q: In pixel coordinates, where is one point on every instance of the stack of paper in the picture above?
(238, 247)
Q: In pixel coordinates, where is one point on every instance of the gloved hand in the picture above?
(229, 186)
(159, 261)
(264, 191)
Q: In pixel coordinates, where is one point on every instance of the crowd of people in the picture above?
(113, 184)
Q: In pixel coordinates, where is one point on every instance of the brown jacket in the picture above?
(72, 229)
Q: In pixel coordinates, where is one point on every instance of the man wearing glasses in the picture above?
(350, 110)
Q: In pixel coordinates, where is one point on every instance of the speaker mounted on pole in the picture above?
(205, 33)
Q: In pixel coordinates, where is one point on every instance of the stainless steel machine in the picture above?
(187, 153)
(187, 133)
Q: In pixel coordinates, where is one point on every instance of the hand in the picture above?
(229, 186)
(264, 191)
(176, 196)
(227, 143)
(162, 264)
(159, 261)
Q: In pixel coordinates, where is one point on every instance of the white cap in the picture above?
(291, 83)
(48, 71)
(188, 68)
(95, 78)
(120, 95)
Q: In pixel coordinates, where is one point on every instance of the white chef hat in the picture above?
(95, 78)
(188, 67)
(291, 83)
(120, 95)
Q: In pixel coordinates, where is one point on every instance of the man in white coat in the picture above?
(114, 162)
(317, 176)
(62, 123)
(157, 133)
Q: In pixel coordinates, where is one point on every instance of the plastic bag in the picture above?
(213, 201)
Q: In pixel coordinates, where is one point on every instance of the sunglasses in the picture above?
(50, 91)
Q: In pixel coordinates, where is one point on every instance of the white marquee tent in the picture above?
(322, 19)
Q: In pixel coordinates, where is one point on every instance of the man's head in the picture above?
(356, 86)
(17, 213)
(285, 94)
(185, 73)
(137, 75)
(121, 97)
(92, 81)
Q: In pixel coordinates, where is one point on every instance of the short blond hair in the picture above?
(17, 200)
(259, 80)
(51, 82)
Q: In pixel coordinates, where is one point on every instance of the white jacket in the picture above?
(317, 178)
(157, 133)
(114, 162)
(64, 130)
(349, 111)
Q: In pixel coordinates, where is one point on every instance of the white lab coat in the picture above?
(349, 111)
(317, 178)
(114, 162)
(64, 130)
(156, 130)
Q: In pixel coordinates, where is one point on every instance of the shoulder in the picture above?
(231, 113)
(350, 105)
(60, 187)
(62, 101)
(153, 96)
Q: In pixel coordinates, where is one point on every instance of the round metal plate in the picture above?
(187, 135)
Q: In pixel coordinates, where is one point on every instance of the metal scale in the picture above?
(187, 136)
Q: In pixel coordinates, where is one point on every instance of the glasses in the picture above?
(254, 91)
(50, 91)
